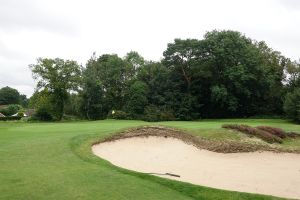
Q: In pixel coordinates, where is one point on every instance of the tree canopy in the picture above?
(9, 95)
(58, 77)
(225, 74)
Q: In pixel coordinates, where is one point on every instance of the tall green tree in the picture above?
(245, 74)
(237, 80)
(106, 82)
(9, 95)
(134, 62)
(92, 100)
(275, 66)
(59, 77)
(42, 102)
(293, 75)
(292, 105)
(157, 78)
(182, 59)
(137, 99)
(24, 100)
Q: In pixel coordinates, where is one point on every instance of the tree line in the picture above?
(225, 74)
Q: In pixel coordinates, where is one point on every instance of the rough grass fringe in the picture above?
(262, 134)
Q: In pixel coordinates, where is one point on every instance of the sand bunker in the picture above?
(269, 173)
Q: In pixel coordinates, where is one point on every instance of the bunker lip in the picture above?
(201, 143)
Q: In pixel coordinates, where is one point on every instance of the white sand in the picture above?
(269, 173)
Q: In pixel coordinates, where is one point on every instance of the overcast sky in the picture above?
(74, 29)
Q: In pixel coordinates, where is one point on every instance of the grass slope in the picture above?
(54, 161)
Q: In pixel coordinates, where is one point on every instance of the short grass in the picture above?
(54, 161)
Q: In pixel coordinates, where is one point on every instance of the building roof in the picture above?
(1, 115)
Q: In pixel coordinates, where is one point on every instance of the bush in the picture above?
(10, 109)
(119, 114)
(291, 105)
(70, 118)
(10, 118)
(20, 114)
(152, 114)
(42, 114)
(155, 114)
(167, 115)
(273, 116)
(268, 137)
(274, 131)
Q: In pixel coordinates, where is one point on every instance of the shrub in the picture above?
(42, 114)
(20, 114)
(292, 105)
(119, 114)
(152, 113)
(167, 115)
(70, 118)
(10, 118)
(268, 137)
(274, 131)
(10, 109)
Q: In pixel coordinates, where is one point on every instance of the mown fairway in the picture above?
(54, 161)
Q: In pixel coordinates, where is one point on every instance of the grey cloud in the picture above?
(16, 74)
(291, 4)
(17, 15)
(7, 53)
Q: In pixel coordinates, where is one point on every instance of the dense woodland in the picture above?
(223, 75)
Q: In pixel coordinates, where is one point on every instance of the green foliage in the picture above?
(188, 108)
(107, 83)
(134, 61)
(42, 102)
(20, 114)
(24, 101)
(223, 75)
(10, 109)
(42, 114)
(119, 114)
(72, 105)
(167, 115)
(10, 118)
(154, 114)
(137, 99)
(227, 75)
(292, 105)
(9, 96)
(293, 78)
(91, 99)
(59, 77)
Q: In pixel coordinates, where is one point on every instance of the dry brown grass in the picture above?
(257, 132)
